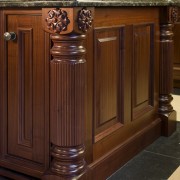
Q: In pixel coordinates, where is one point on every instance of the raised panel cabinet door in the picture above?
(25, 66)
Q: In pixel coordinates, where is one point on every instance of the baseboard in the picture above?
(12, 175)
(113, 160)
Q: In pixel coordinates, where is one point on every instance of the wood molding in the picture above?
(67, 101)
(111, 161)
(24, 94)
(67, 27)
(108, 71)
(143, 68)
(166, 111)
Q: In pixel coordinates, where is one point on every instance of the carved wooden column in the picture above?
(67, 91)
(167, 114)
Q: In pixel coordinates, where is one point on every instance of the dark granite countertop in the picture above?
(67, 3)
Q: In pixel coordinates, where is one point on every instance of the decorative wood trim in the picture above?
(167, 114)
(68, 161)
(67, 89)
(67, 20)
(122, 153)
(173, 14)
(67, 106)
(25, 40)
(108, 80)
(143, 66)
(57, 20)
(38, 163)
(84, 19)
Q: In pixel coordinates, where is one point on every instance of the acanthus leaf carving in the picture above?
(57, 20)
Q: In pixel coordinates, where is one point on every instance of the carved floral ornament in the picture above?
(57, 20)
(174, 16)
(84, 19)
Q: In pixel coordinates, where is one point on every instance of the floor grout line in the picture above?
(161, 154)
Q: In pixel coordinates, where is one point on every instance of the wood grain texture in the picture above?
(144, 49)
(166, 111)
(143, 68)
(24, 95)
(67, 103)
(89, 102)
(110, 162)
(25, 87)
(25, 146)
(107, 79)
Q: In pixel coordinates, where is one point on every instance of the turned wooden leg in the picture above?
(167, 114)
(68, 27)
(67, 107)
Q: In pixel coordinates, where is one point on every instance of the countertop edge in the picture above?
(42, 4)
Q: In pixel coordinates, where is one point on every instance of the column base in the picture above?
(168, 123)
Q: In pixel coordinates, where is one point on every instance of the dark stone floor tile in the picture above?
(147, 166)
(169, 146)
(176, 91)
(178, 127)
(3, 178)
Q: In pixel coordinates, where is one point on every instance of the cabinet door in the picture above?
(26, 85)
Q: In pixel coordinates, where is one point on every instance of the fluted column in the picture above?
(67, 92)
(167, 114)
(67, 97)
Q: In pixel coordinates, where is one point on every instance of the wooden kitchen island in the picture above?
(85, 85)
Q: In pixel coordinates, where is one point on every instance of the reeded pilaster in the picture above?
(67, 27)
(167, 114)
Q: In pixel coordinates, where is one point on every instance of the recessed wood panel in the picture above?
(107, 78)
(25, 85)
(26, 89)
(143, 72)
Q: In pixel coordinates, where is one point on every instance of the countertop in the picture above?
(68, 3)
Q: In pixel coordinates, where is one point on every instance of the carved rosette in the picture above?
(84, 19)
(57, 20)
(173, 14)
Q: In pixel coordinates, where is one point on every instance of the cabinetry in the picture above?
(24, 106)
(59, 81)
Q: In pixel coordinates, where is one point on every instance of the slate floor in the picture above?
(157, 162)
